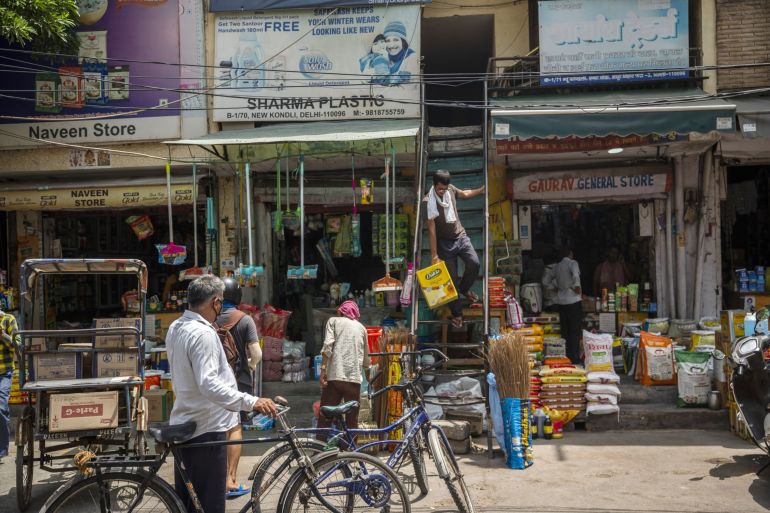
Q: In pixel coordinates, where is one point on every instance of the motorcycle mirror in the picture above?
(745, 347)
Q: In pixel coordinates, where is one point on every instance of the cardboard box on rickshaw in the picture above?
(82, 411)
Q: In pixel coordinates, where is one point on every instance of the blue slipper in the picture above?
(237, 492)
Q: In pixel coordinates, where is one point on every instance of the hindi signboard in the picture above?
(581, 40)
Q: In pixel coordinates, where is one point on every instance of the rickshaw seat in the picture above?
(172, 434)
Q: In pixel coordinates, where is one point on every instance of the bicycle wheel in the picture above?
(274, 470)
(449, 471)
(25, 458)
(347, 481)
(417, 455)
(114, 491)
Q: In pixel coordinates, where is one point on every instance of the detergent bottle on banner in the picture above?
(248, 56)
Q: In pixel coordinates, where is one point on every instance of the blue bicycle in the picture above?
(421, 436)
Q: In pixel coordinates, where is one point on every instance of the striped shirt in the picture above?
(8, 326)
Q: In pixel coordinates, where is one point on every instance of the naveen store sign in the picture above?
(86, 198)
(590, 186)
(319, 65)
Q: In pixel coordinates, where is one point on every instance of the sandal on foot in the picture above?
(457, 322)
(236, 492)
(473, 297)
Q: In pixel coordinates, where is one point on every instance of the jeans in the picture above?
(206, 468)
(5, 413)
(449, 250)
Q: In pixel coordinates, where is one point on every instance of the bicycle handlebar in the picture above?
(403, 385)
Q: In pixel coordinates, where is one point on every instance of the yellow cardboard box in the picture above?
(76, 412)
(436, 285)
(732, 323)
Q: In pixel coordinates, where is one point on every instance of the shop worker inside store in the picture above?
(566, 280)
(206, 393)
(611, 272)
(448, 240)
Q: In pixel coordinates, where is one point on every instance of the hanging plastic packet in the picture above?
(141, 225)
(355, 249)
(367, 192)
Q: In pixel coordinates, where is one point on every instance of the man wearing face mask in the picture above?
(206, 393)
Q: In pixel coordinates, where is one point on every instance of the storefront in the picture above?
(745, 164)
(107, 219)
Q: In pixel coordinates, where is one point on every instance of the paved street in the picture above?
(629, 471)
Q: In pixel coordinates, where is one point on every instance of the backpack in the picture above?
(228, 342)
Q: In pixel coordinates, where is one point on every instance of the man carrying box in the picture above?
(448, 240)
(8, 330)
(206, 393)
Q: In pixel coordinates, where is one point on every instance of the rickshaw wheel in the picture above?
(25, 458)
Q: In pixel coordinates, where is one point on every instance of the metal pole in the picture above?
(195, 212)
(417, 245)
(302, 212)
(485, 134)
(238, 213)
(249, 223)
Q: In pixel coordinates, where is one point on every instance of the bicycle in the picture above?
(421, 436)
(333, 481)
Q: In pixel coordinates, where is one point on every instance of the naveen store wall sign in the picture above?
(595, 36)
(305, 65)
(590, 186)
(127, 67)
(86, 198)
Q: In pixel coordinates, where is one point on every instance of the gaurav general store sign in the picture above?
(589, 186)
(93, 197)
(320, 64)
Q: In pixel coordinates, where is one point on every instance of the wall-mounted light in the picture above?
(613, 151)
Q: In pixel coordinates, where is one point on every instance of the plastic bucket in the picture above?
(152, 378)
(373, 335)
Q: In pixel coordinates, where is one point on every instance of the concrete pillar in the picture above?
(708, 42)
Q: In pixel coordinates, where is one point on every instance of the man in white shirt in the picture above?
(206, 393)
(568, 297)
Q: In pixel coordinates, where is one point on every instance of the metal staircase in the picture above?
(458, 150)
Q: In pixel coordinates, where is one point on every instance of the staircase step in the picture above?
(633, 392)
(443, 133)
(455, 165)
(659, 416)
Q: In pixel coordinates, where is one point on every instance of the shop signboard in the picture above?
(590, 186)
(87, 198)
(572, 143)
(122, 86)
(581, 40)
(266, 5)
(318, 65)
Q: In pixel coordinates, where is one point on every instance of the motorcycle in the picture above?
(750, 384)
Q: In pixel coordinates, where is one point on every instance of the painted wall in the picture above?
(511, 21)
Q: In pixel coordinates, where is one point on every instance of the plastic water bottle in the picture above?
(317, 361)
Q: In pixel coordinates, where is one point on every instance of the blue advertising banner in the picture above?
(268, 5)
(582, 39)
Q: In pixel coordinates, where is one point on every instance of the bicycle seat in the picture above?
(166, 433)
(331, 412)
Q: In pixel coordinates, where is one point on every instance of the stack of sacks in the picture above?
(602, 393)
(563, 385)
(295, 365)
(272, 359)
(554, 347)
(533, 336)
(496, 292)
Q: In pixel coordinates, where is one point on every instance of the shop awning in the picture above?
(610, 113)
(366, 137)
(753, 116)
(266, 5)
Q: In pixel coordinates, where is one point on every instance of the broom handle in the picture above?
(168, 192)
(393, 200)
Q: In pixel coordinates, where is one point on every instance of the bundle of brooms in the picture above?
(509, 359)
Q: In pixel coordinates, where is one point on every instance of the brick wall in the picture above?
(743, 36)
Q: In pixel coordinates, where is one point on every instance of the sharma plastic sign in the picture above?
(648, 38)
(321, 64)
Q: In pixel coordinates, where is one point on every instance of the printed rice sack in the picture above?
(603, 377)
(598, 351)
(601, 409)
(598, 388)
(601, 398)
(694, 380)
(656, 355)
(563, 379)
(562, 371)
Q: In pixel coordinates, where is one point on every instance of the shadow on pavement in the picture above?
(744, 465)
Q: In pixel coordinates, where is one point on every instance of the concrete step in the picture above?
(633, 392)
(659, 416)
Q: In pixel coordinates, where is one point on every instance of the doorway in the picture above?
(456, 45)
